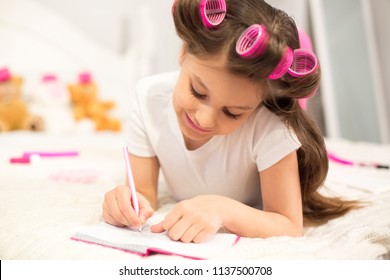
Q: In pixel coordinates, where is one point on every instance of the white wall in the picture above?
(115, 23)
(381, 12)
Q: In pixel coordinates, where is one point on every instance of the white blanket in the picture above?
(46, 202)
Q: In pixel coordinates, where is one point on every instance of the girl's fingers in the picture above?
(202, 236)
(145, 210)
(111, 212)
(117, 209)
(157, 228)
(167, 223)
(123, 198)
(190, 233)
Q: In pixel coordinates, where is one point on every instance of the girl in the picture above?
(236, 149)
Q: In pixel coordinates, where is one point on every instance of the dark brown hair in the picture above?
(281, 95)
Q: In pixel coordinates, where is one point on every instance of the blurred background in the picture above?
(121, 41)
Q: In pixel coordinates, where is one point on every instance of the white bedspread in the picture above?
(41, 207)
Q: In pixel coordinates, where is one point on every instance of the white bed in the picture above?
(43, 204)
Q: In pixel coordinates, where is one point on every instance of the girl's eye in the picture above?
(197, 94)
(225, 110)
(231, 115)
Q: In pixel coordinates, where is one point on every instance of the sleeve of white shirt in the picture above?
(136, 136)
(272, 140)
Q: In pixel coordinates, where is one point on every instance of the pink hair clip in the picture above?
(253, 42)
(212, 12)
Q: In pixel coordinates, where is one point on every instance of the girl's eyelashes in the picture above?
(225, 110)
(231, 115)
(197, 94)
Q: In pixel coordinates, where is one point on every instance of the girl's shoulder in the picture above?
(262, 119)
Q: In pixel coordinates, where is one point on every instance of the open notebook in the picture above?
(145, 242)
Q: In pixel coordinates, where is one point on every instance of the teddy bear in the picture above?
(86, 104)
(14, 114)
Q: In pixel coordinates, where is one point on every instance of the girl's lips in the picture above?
(194, 126)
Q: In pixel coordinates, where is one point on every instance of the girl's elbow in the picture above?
(296, 231)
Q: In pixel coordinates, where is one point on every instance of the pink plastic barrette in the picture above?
(212, 12)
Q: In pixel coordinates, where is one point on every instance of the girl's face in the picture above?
(209, 101)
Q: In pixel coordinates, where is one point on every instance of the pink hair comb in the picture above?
(253, 42)
(212, 12)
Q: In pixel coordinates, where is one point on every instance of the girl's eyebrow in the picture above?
(200, 82)
(244, 108)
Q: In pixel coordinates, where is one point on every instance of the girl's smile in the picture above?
(196, 127)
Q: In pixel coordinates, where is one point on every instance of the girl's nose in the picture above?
(206, 117)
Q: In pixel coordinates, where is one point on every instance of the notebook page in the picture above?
(143, 241)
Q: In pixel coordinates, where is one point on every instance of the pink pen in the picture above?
(337, 159)
(51, 154)
(130, 181)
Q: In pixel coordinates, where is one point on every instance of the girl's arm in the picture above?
(194, 220)
(282, 204)
(117, 208)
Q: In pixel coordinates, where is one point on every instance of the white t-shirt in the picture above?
(226, 165)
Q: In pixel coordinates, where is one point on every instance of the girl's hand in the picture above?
(118, 211)
(195, 219)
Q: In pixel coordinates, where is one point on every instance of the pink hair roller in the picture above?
(305, 42)
(173, 7)
(252, 41)
(283, 65)
(212, 12)
(304, 63)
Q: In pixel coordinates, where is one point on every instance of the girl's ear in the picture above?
(182, 53)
